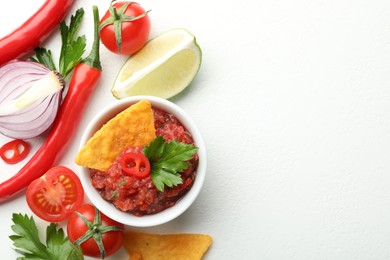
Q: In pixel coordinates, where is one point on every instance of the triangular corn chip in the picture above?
(166, 247)
(131, 127)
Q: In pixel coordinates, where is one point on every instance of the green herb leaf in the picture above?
(72, 48)
(59, 245)
(27, 241)
(27, 237)
(167, 160)
(155, 149)
(72, 55)
(161, 178)
(44, 57)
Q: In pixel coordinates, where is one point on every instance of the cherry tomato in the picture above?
(125, 28)
(135, 164)
(55, 195)
(14, 151)
(97, 234)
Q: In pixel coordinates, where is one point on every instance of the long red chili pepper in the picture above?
(84, 79)
(34, 31)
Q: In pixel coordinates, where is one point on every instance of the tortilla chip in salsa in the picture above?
(131, 127)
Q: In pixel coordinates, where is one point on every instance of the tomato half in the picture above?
(14, 151)
(125, 28)
(135, 164)
(55, 195)
(88, 227)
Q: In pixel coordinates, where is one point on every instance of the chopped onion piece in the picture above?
(30, 95)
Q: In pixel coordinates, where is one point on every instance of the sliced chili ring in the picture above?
(14, 151)
(135, 164)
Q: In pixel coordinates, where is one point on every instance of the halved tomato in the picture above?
(55, 195)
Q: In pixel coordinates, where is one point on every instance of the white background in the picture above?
(293, 101)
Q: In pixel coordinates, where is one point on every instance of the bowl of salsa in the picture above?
(144, 183)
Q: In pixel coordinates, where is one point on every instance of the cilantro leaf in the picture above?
(58, 244)
(27, 241)
(167, 160)
(155, 149)
(44, 57)
(27, 237)
(72, 48)
(71, 56)
(161, 178)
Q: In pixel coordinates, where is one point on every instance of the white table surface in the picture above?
(293, 101)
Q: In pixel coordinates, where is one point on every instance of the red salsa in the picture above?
(139, 196)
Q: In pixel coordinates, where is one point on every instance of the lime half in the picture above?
(164, 67)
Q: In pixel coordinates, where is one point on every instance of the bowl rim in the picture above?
(107, 208)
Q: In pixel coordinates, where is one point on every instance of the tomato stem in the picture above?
(95, 231)
(114, 13)
(117, 17)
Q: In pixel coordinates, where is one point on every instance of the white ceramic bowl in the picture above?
(168, 214)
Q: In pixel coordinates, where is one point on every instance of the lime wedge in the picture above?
(164, 67)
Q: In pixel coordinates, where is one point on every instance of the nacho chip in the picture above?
(131, 127)
(166, 247)
(135, 256)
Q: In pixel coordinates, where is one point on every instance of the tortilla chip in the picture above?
(166, 247)
(135, 256)
(131, 127)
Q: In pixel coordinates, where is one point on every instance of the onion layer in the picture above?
(30, 95)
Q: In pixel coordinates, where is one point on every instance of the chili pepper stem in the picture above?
(93, 59)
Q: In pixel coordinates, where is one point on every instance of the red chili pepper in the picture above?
(18, 150)
(34, 31)
(84, 79)
(135, 164)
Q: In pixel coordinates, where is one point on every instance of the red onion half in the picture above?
(30, 95)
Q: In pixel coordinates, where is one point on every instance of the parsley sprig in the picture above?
(72, 48)
(167, 160)
(27, 241)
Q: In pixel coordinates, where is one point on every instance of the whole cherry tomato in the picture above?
(97, 234)
(55, 195)
(135, 164)
(125, 28)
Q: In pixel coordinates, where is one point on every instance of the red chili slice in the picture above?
(14, 151)
(135, 164)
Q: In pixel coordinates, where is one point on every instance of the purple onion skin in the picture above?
(16, 77)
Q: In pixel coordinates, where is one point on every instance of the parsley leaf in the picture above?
(167, 160)
(44, 57)
(161, 178)
(72, 47)
(27, 241)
